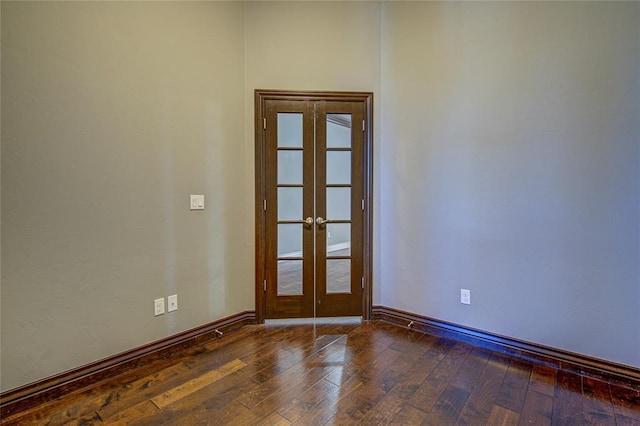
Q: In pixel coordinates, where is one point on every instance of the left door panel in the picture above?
(289, 194)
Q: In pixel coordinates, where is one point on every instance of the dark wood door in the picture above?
(314, 207)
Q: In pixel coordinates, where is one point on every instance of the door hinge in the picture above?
(363, 125)
(362, 283)
(264, 205)
(264, 286)
(264, 123)
(363, 204)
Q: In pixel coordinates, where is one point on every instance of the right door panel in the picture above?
(339, 213)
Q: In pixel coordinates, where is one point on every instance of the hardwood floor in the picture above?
(341, 373)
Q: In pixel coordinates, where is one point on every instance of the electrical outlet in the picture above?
(465, 296)
(172, 302)
(158, 306)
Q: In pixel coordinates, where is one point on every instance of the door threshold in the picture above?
(313, 321)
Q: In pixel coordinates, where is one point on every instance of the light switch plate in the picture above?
(196, 202)
(158, 306)
(172, 302)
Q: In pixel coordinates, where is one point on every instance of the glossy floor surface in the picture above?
(341, 373)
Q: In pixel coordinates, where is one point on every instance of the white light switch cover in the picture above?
(196, 202)
(158, 306)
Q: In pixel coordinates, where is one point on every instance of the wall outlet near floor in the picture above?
(158, 307)
(465, 296)
(172, 302)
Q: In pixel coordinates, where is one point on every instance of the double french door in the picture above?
(314, 204)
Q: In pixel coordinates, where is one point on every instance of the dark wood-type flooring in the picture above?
(341, 373)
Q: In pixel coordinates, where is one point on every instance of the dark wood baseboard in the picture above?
(557, 358)
(33, 394)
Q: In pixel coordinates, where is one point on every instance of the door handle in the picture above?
(320, 221)
(308, 221)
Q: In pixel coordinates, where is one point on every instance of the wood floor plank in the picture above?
(426, 397)
(327, 408)
(233, 414)
(132, 415)
(410, 415)
(379, 381)
(596, 403)
(466, 377)
(483, 397)
(567, 404)
(386, 409)
(543, 380)
(218, 396)
(298, 378)
(274, 420)
(626, 401)
(308, 400)
(194, 385)
(409, 378)
(449, 406)
(626, 421)
(501, 416)
(140, 390)
(515, 385)
(537, 409)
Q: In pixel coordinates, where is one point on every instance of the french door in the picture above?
(313, 206)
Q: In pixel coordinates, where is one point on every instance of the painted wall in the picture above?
(315, 46)
(506, 161)
(511, 167)
(113, 113)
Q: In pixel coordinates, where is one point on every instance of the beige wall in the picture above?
(113, 113)
(506, 161)
(315, 46)
(511, 167)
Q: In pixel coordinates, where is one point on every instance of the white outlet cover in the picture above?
(158, 307)
(172, 302)
(465, 296)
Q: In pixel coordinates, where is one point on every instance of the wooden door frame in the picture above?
(260, 97)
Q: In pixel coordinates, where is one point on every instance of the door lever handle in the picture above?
(320, 221)
(308, 221)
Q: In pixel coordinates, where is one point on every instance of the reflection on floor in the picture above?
(338, 275)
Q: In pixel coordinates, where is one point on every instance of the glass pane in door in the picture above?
(338, 276)
(338, 239)
(289, 203)
(289, 277)
(339, 203)
(290, 167)
(338, 130)
(338, 167)
(289, 240)
(289, 129)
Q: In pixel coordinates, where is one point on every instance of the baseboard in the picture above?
(557, 358)
(33, 394)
